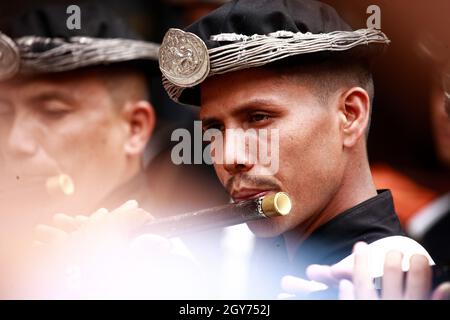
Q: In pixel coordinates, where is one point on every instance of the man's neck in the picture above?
(356, 188)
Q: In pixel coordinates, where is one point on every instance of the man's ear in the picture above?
(355, 115)
(140, 117)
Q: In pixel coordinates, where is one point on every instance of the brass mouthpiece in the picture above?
(61, 183)
(277, 204)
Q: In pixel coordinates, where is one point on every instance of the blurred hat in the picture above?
(246, 33)
(435, 49)
(40, 42)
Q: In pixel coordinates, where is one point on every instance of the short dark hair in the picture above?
(327, 74)
(124, 82)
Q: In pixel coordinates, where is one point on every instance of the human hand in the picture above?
(395, 286)
(107, 257)
(354, 280)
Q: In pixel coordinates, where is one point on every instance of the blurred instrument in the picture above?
(60, 184)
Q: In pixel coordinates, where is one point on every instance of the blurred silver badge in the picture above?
(183, 58)
(9, 57)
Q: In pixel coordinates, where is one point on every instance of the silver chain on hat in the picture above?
(180, 48)
(31, 55)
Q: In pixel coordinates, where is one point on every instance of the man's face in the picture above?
(55, 124)
(440, 118)
(311, 161)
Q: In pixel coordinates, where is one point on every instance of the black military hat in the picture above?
(41, 42)
(252, 33)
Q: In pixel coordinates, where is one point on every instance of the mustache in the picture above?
(262, 182)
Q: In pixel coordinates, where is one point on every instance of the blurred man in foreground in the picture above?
(75, 121)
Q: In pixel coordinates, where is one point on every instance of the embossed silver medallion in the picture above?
(9, 57)
(183, 58)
